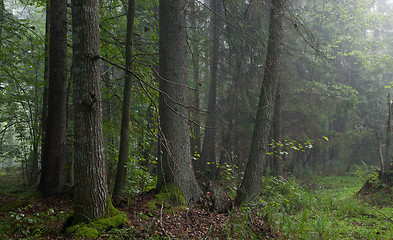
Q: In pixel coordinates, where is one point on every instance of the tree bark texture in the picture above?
(175, 162)
(91, 193)
(251, 183)
(53, 177)
(121, 173)
(208, 154)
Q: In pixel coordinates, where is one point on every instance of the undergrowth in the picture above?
(327, 211)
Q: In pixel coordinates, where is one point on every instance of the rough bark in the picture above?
(250, 186)
(208, 155)
(175, 162)
(53, 176)
(121, 173)
(91, 193)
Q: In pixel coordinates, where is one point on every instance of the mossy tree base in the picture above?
(92, 229)
(168, 196)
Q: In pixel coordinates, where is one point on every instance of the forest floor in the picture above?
(321, 208)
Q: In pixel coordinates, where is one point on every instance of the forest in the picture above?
(196, 119)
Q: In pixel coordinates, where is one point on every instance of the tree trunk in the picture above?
(208, 155)
(227, 136)
(277, 133)
(195, 124)
(250, 186)
(388, 157)
(91, 193)
(380, 155)
(121, 173)
(44, 113)
(53, 176)
(1, 23)
(175, 163)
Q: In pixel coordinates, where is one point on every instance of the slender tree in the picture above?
(277, 133)
(195, 124)
(388, 157)
(44, 112)
(175, 162)
(91, 193)
(53, 177)
(1, 21)
(125, 119)
(251, 183)
(208, 154)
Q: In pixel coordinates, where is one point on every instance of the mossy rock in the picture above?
(170, 195)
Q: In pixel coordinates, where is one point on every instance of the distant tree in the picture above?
(125, 119)
(53, 177)
(175, 163)
(91, 193)
(277, 163)
(250, 186)
(208, 155)
(195, 59)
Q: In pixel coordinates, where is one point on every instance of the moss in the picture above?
(112, 219)
(110, 210)
(170, 195)
(152, 204)
(104, 224)
(83, 232)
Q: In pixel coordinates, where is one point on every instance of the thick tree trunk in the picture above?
(91, 193)
(120, 181)
(53, 176)
(250, 186)
(175, 163)
(208, 155)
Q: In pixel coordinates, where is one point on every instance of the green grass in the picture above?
(325, 209)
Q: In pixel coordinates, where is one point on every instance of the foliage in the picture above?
(26, 222)
(322, 212)
(139, 179)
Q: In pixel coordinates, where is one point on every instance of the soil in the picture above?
(176, 223)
